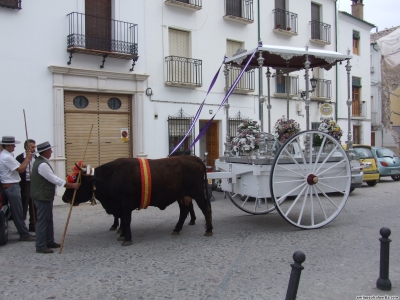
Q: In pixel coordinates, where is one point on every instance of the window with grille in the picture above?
(177, 129)
(315, 125)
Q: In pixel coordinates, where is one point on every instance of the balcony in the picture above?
(282, 87)
(245, 85)
(102, 37)
(358, 109)
(15, 4)
(184, 72)
(285, 22)
(323, 90)
(239, 11)
(187, 4)
(320, 33)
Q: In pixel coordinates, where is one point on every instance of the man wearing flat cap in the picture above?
(9, 177)
(43, 187)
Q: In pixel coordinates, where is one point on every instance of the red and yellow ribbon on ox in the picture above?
(145, 175)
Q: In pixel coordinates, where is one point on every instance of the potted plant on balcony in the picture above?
(278, 26)
(288, 28)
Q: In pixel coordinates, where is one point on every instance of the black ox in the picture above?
(118, 187)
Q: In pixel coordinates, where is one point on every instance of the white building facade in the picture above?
(139, 70)
(353, 33)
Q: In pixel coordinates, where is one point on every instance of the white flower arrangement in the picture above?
(329, 126)
(247, 137)
(286, 128)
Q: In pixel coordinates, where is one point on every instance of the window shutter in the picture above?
(179, 43)
(232, 47)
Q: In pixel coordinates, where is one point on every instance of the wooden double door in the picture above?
(110, 115)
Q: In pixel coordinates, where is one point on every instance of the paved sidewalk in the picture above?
(248, 257)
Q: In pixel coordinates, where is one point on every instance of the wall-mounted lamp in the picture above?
(210, 111)
(313, 82)
(149, 92)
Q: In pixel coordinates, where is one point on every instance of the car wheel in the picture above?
(395, 177)
(352, 189)
(372, 182)
(4, 232)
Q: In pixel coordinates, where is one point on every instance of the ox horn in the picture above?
(80, 168)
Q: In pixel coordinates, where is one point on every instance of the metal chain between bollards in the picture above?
(383, 282)
(298, 257)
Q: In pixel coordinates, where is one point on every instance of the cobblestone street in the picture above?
(248, 257)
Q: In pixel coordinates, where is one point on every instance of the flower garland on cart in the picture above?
(247, 137)
(329, 126)
(284, 129)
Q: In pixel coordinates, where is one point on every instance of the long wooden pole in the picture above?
(73, 197)
(30, 173)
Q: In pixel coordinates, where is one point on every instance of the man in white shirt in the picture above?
(43, 187)
(9, 177)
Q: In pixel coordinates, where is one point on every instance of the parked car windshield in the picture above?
(385, 153)
(364, 152)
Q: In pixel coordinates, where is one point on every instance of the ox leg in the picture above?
(192, 214)
(120, 226)
(184, 211)
(205, 207)
(115, 225)
(126, 228)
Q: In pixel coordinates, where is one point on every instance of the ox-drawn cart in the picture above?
(307, 185)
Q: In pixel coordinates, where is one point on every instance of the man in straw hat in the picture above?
(9, 177)
(43, 185)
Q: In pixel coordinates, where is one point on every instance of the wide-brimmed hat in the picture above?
(9, 140)
(43, 147)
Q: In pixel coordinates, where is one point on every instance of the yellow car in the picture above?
(371, 174)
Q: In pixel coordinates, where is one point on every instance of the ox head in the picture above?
(85, 191)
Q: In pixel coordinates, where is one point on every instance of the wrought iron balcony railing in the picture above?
(285, 20)
(189, 4)
(320, 32)
(282, 88)
(239, 10)
(182, 71)
(103, 37)
(15, 4)
(323, 90)
(245, 85)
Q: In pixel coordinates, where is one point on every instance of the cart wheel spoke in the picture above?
(314, 183)
(251, 205)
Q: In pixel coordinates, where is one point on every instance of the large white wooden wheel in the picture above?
(259, 206)
(310, 185)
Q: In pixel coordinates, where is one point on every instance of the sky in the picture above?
(382, 13)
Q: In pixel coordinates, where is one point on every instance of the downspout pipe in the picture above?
(337, 71)
(260, 80)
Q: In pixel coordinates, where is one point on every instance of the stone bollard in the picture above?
(298, 257)
(383, 282)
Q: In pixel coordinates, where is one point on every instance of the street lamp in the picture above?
(313, 82)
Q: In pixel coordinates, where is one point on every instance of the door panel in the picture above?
(212, 143)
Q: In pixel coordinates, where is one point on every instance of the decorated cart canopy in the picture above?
(280, 57)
